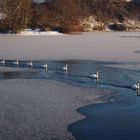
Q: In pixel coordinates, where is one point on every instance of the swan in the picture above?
(45, 66)
(30, 63)
(136, 86)
(65, 68)
(16, 62)
(95, 76)
(2, 61)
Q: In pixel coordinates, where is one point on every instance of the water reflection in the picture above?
(138, 92)
(8, 75)
(19, 75)
(97, 81)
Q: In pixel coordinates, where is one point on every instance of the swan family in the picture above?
(30, 63)
(96, 75)
(135, 86)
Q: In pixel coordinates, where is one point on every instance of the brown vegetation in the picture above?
(18, 16)
(65, 15)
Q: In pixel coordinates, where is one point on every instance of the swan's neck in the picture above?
(66, 67)
(97, 73)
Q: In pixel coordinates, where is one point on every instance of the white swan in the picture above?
(45, 66)
(95, 76)
(136, 86)
(65, 68)
(2, 61)
(16, 62)
(30, 63)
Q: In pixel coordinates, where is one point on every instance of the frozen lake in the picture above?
(38, 103)
(48, 99)
(110, 46)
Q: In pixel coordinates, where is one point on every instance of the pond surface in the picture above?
(116, 120)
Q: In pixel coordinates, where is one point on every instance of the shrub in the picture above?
(117, 27)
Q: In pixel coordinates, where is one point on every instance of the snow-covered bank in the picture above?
(37, 32)
(110, 46)
(90, 24)
(31, 32)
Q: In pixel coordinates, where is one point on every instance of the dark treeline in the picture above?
(65, 15)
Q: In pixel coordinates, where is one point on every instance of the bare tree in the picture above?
(65, 12)
(19, 13)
